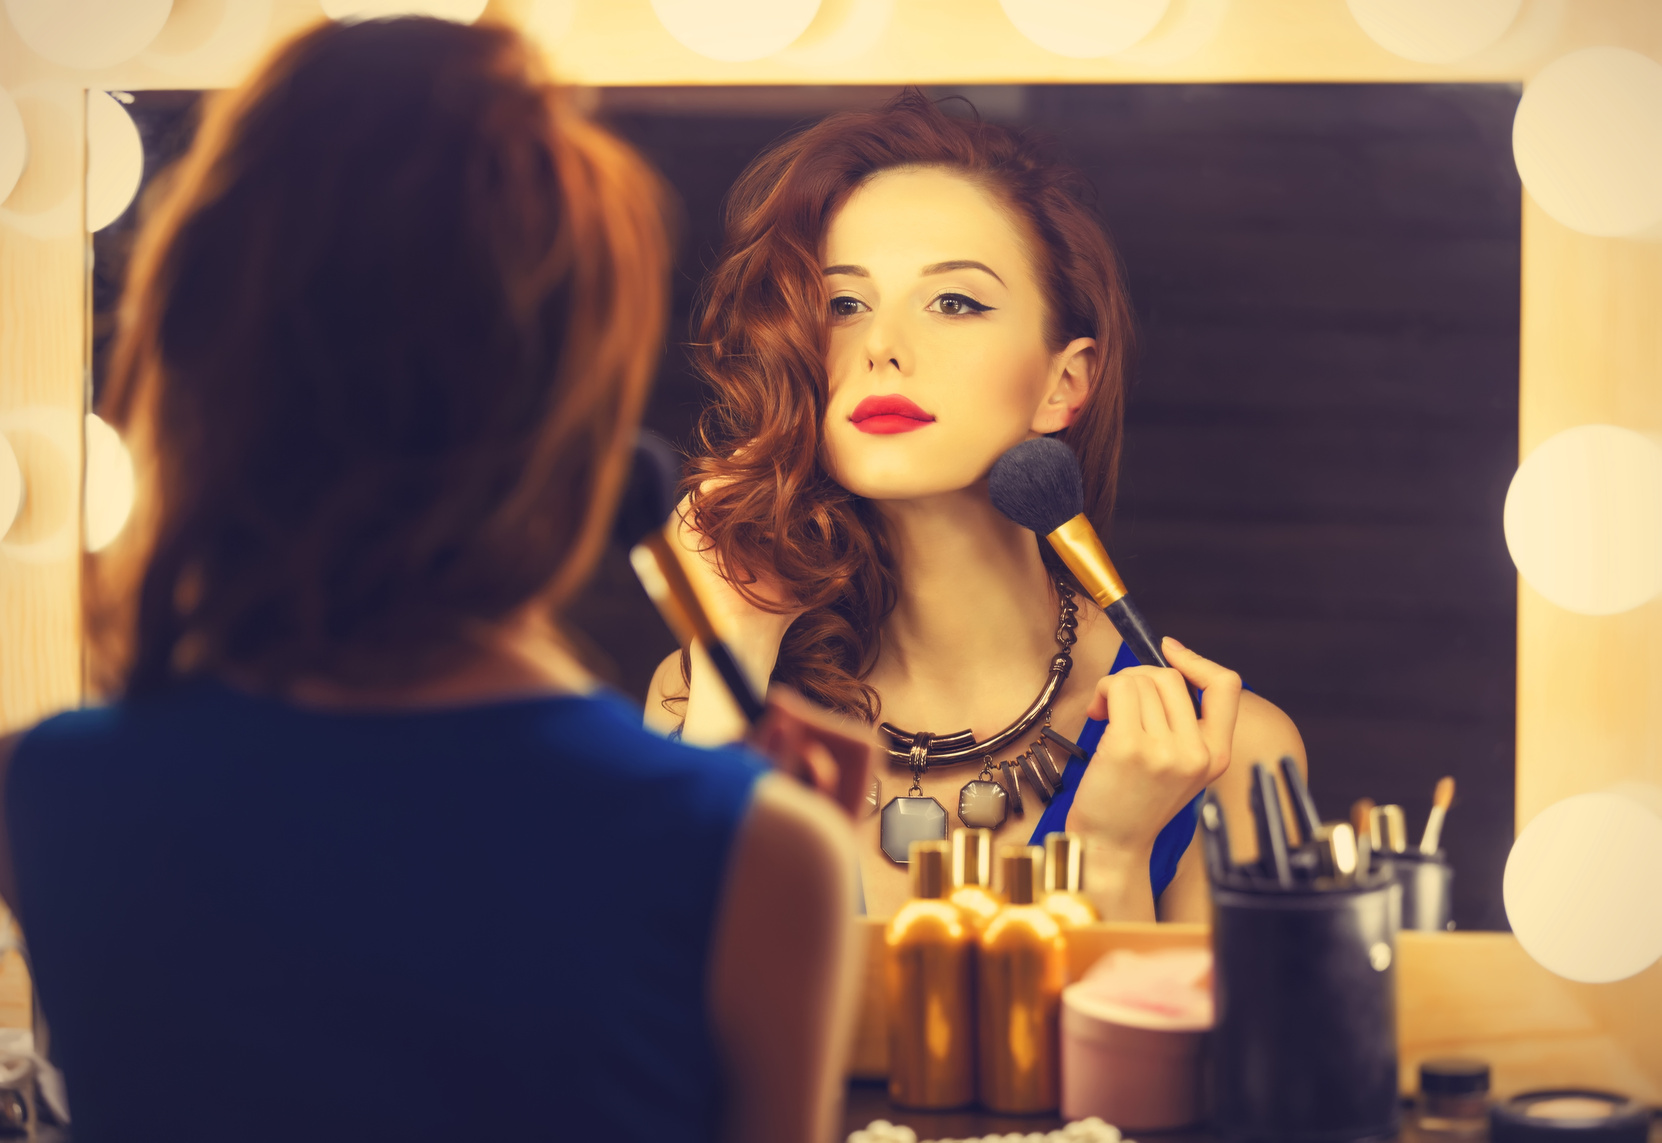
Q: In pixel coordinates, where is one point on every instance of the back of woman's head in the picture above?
(768, 505)
(383, 346)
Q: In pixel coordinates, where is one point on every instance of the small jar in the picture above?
(1454, 1097)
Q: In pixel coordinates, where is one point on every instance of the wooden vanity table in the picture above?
(1458, 994)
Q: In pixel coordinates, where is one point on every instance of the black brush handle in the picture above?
(1309, 820)
(1272, 830)
(1214, 837)
(738, 683)
(1128, 620)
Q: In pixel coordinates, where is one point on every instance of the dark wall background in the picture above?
(1322, 423)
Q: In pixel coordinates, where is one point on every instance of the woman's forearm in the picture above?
(713, 718)
(1116, 881)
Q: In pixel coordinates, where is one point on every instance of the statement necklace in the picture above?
(985, 801)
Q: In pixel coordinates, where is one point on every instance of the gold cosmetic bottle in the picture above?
(1022, 968)
(930, 944)
(972, 876)
(1064, 896)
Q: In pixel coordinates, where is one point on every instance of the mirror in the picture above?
(1322, 422)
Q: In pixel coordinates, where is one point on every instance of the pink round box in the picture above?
(1139, 1068)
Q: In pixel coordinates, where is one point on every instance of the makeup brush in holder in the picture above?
(1304, 950)
(1423, 871)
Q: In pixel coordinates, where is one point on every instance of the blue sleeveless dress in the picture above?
(1174, 836)
(253, 921)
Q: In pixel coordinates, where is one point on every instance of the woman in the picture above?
(903, 296)
(361, 850)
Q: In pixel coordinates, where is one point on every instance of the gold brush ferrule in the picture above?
(1081, 549)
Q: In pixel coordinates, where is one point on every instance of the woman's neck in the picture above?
(975, 614)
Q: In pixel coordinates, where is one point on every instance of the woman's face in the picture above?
(938, 360)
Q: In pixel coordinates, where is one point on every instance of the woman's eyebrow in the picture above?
(961, 264)
(852, 271)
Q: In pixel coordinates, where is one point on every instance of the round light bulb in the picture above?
(110, 485)
(1587, 139)
(1583, 887)
(736, 30)
(1583, 519)
(14, 144)
(1085, 29)
(11, 486)
(88, 34)
(550, 21)
(457, 11)
(115, 159)
(211, 43)
(1435, 31)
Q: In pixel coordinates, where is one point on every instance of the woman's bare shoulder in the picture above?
(668, 683)
(1264, 733)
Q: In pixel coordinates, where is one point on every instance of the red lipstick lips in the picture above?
(890, 413)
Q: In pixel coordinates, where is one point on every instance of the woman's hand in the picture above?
(752, 632)
(829, 752)
(1155, 755)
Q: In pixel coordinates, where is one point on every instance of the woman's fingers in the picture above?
(1220, 697)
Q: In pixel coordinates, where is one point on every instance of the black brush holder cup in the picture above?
(1427, 882)
(1306, 1038)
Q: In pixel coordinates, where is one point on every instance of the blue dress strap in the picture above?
(1174, 836)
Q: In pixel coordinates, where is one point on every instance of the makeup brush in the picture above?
(1038, 485)
(1304, 806)
(1272, 830)
(1214, 836)
(1389, 829)
(1361, 820)
(1440, 802)
(642, 525)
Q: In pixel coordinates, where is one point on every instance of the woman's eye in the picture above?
(846, 307)
(957, 305)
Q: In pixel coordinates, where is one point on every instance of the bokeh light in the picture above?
(1435, 31)
(458, 11)
(115, 159)
(550, 21)
(14, 144)
(110, 484)
(1587, 139)
(1583, 519)
(88, 34)
(11, 486)
(736, 30)
(1583, 887)
(1085, 29)
(211, 43)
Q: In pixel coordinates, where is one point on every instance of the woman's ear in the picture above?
(1071, 371)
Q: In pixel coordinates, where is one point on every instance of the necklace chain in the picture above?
(921, 750)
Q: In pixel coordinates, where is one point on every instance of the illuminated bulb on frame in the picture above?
(1583, 519)
(735, 31)
(88, 34)
(1583, 887)
(1435, 31)
(115, 159)
(456, 11)
(550, 21)
(14, 144)
(1587, 139)
(1085, 29)
(11, 487)
(110, 484)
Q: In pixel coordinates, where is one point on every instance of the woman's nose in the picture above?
(886, 348)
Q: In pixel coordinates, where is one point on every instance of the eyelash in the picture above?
(971, 306)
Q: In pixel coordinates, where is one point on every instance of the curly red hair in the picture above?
(761, 490)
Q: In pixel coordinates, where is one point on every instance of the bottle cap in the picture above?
(1019, 865)
(1064, 863)
(1453, 1076)
(928, 862)
(972, 857)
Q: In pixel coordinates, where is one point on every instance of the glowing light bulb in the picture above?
(457, 11)
(14, 144)
(11, 486)
(88, 34)
(1583, 887)
(550, 21)
(115, 159)
(110, 484)
(1583, 519)
(1085, 29)
(1587, 139)
(211, 44)
(1435, 31)
(736, 30)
